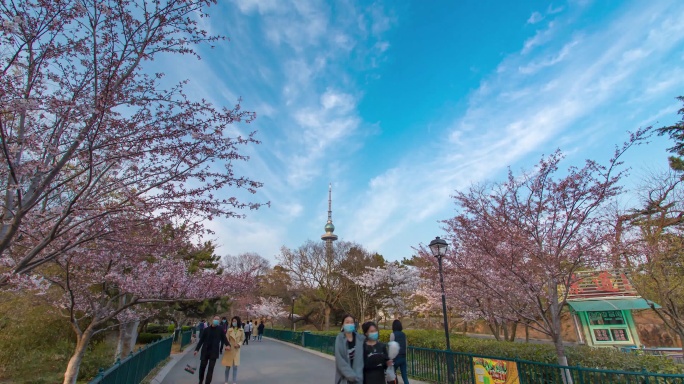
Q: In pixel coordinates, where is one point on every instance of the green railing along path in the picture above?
(431, 365)
(134, 368)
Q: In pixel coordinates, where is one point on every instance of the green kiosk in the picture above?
(601, 304)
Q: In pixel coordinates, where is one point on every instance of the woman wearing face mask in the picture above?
(231, 359)
(374, 356)
(348, 353)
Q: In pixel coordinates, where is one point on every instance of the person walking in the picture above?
(375, 359)
(248, 331)
(210, 342)
(399, 336)
(200, 328)
(261, 329)
(231, 359)
(255, 330)
(348, 353)
(224, 328)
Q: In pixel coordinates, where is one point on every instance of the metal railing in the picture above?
(134, 368)
(325, 344)
(280, 334)
(431, 365)
(672, 353)
(185, 339)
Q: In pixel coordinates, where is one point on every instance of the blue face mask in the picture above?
(373, 336)
(216, 322)
(349, 328)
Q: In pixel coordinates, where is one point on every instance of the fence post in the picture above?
(100, 374)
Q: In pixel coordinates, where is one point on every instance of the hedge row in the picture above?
(156, 328)
(146, 338)
(602, 358)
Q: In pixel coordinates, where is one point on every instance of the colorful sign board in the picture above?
(494, 371)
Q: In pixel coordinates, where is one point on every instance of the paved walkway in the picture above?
(261, 363)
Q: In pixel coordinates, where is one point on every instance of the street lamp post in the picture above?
(438, 247)
(292, 312)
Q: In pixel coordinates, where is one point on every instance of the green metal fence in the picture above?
(134, 368)
(325, 344)
(185, 339)
(280, 334)
(431, 365)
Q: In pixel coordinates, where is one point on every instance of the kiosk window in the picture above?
(619, 334)
(601, 335)
(606, 318)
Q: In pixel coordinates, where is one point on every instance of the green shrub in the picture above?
(186, 328)
(603, 358)
(146, 338)
(171, 328)
(156, 328)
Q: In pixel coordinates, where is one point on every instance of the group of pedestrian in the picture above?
(362, 359)
(220, 336)
(255, 331)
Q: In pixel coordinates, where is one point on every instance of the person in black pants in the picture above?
(224, 328)
(210, 341)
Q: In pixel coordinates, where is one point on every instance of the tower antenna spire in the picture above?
(330, 203)
(329, 236)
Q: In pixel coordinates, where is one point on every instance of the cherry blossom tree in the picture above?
(270, 308)
(87, 131)
(526, 237)
(104, 284)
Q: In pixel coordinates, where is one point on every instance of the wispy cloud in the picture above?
(518, 113)
(292, 61)
(535, 18)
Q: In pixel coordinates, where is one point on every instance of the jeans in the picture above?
(210, 373)
(400, 364)
(260, 337)
(234, 373)
(247, 334)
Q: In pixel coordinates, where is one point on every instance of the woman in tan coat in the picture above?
(231, 357)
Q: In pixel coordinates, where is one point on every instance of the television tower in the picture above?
(329, 236)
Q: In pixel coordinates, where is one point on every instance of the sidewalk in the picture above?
(260, 362)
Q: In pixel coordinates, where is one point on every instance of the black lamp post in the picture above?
(292, 311)
(439, 247)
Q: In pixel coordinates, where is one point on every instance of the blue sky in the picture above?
(398, 104)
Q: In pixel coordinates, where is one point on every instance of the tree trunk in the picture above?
(556, 331)
(465, 327)
(514, 331)
(527, 332)
(327, 318)
(128, 334)
(494, 327)
(71, 373)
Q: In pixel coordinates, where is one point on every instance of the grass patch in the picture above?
(36, 343)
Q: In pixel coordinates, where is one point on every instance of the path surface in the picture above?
(262, 363)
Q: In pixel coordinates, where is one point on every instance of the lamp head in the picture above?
(438, 247)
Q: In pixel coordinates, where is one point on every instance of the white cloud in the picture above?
(535, 18)
(549, 61)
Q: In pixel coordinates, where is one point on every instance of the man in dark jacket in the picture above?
(210, 341)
